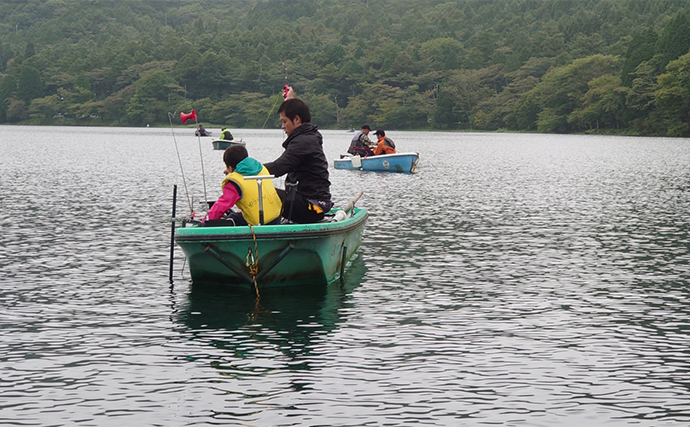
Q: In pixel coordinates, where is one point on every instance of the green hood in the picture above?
(249, 166)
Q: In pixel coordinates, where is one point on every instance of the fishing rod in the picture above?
(179, 159)
(203, 175)
(285, 90)
(270, 112)
(184, 181)
(286, 74)
(184, 117)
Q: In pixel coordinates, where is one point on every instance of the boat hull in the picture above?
(288, 254)
(222, 144)
(398, 162)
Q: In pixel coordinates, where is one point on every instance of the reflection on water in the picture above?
(263, 348)
(287, 319)
(518, 280)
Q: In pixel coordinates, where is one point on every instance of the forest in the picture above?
(553, 66)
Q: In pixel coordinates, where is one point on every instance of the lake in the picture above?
(515, 280)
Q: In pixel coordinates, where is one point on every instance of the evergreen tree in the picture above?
(8, 87)
(674, 40)
(29, 84)
(640, 49)
(673, 97)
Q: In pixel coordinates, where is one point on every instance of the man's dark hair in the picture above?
(366, 127)
(295, 107)
(234, 154)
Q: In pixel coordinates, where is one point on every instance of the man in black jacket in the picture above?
(305, 164)
(361, 144)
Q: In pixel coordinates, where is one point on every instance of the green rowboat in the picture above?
(222, 144)
(274, 255)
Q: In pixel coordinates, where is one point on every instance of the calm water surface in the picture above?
(517, 280)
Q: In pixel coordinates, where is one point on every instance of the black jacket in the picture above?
(304, 162)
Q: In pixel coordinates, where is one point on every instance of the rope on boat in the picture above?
(414, 164)
(253, 262)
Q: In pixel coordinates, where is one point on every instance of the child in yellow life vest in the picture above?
(245, 193)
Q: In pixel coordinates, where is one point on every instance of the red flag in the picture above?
(185, 116)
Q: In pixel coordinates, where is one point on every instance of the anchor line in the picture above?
(254, 263)
(256, 310)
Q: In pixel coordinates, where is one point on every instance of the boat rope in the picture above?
(258, 309)
(253, 261)
(414, 164)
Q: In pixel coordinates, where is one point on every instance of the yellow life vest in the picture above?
(249, 197)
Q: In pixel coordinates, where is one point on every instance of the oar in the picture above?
(352, 202)
(341, 215)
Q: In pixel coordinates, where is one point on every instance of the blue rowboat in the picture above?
(274, 255)
(398, 162)
(222, 144)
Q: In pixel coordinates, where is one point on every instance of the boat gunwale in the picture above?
(404, 163)
(270, 232)
(380, 156)
(231, 141)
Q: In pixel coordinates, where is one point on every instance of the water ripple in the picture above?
(526, 280)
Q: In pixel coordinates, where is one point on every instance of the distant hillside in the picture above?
(534, 65)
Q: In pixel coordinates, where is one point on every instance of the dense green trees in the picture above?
(29, 84)
(673, 97)
(559, 100)
(548, 66)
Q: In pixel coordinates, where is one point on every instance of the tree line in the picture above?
(560, 66)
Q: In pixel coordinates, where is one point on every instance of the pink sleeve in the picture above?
(226, 201)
